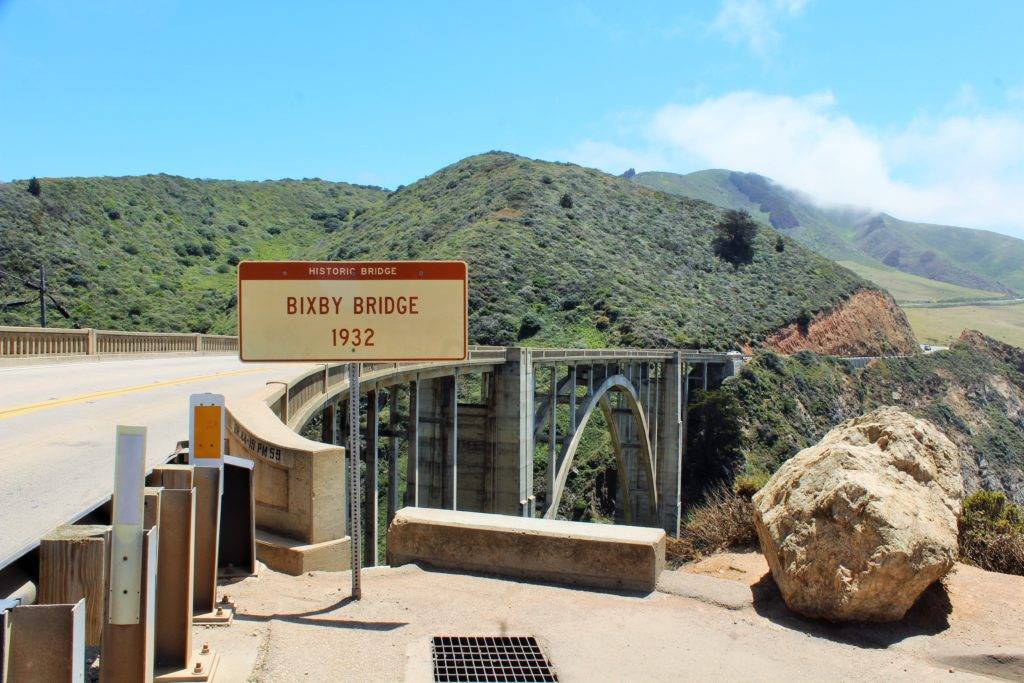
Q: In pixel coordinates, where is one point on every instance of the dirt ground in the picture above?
(307, 629)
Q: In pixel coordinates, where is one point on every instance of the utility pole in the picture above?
(42, 295)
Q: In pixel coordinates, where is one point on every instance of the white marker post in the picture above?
(354, 485)
(125, 596)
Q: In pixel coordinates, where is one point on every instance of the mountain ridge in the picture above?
(977, 259)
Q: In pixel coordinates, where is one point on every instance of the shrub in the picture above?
(725, 520)
(735, 241)
(113, 214)
(34, 188)
(530, 325)
(780, 244)
(566, 201)
(746, 485)
(992, 533)
(274, 231)
(131, 249)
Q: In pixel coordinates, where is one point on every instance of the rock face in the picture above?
(856, 527)
(869, 323)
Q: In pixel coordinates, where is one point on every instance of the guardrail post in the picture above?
(198, 343)
(90, 342)
(47, 643)
(73, 567)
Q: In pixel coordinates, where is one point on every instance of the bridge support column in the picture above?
(435, 434)
(669, 446)
(512, 402)
(371, 505)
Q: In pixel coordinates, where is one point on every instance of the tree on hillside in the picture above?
(735, 241)
(34, 188)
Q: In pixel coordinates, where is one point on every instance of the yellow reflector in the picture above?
(207, 432)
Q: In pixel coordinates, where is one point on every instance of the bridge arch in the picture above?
(599, 397)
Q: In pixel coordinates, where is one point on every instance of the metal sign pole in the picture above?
(354, 498)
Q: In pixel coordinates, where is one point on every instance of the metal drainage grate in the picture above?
(500, 658)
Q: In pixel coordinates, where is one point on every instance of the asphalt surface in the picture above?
(57, 426)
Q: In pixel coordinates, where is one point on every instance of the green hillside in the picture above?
(560, 254)
(976, 259)
(158, 252)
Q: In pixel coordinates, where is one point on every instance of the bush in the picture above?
(530, 325)
(735, 241)
(746, 485)
(992, 533)
(725, 520)
(780, 244)
(34, 188)
(566, 201)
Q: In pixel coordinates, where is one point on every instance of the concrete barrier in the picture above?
(28, 345)
(572, 553)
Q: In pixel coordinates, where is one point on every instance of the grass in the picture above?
(940, 325)
(906, 287)
(725, 520)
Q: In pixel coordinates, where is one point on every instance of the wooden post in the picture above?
(72, 567)
(128, 649)
(47, 644)
(172, 477)
(173, 630)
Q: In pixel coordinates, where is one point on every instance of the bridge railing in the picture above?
(43, 342)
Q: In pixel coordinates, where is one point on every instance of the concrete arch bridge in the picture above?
(471, 430)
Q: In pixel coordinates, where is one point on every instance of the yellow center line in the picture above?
(84, 398)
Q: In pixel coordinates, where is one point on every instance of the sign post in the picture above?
(354, 498)
(353, 312)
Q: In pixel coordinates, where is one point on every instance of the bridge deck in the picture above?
(57, 430)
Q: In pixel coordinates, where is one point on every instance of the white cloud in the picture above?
(755, 22)
(960, 169)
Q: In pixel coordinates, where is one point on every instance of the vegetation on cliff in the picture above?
(778, 405)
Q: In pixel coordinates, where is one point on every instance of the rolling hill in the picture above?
(973, 259)
(563, 255)
(558, 254)
(158, 252)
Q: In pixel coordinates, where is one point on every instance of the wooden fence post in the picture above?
(73, 566)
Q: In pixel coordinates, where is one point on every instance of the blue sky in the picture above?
(915, 108)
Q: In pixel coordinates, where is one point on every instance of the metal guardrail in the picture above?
(36, 342)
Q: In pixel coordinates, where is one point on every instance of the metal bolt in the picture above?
(198, 668)
(205, 650)
(225, 600)
(220, 611)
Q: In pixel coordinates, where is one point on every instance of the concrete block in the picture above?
(571, 553)
(294, 557)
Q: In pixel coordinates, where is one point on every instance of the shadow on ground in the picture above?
(314, 618)
(928, 616)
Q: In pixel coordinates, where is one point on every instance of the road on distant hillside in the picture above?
(57, 425)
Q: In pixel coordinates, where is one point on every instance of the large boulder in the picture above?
(856, 527)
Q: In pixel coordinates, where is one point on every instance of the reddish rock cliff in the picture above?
(869, 323)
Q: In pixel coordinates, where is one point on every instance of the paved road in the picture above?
(57, 427)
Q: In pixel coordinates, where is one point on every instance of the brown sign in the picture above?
(352, 311)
